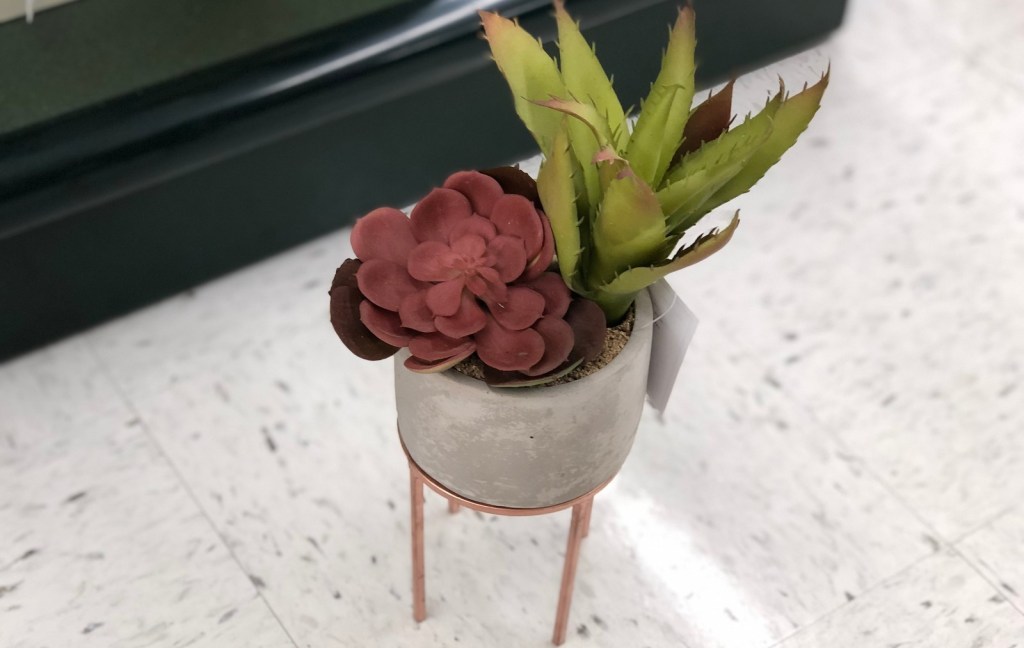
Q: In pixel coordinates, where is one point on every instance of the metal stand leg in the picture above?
(572, 554)
(586, 517)
(453, 506)
(419, 578)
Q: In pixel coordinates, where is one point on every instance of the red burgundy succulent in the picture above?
(466, 273)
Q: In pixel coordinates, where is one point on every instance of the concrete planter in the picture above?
(526, 447)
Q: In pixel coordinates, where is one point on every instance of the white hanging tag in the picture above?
(674, 326)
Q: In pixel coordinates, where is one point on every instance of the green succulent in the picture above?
(620, 200)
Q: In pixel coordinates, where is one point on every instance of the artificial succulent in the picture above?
(467, 272)
(621, 199)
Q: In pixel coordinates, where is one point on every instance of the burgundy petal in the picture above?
(542, 261)
(345, 300)
(432, 261)
(415, 315)
(469, 245)
(443, 299)
(556, 294)
(386, 283)
(558, 338)
(412, 363)
(520, 309)
(434, 216)
(588, 328)
(516, 216)
(507, 350)
(434, 346)
(473, 225)
(469, 319)
(481, 190)
(384, 233)
(509, 257)
(384, 324)
(487, 285)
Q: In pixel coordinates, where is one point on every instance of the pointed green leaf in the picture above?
(684, 198)
(636, 279)
(630, 227)
(531, 75)
(789, 121)
(584, 77)
(558, 196)
(659, 129)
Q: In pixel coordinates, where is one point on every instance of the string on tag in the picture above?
(30, 10)
(675, 298)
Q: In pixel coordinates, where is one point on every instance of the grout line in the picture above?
(881, 583)
(188, 489)
(879, 480)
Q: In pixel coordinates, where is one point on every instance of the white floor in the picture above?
(842, 465)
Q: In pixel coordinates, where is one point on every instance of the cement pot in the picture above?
(526, 447)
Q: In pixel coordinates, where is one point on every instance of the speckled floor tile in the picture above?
(100, 544)
(939, 603)
(58, 386)
(997, 550)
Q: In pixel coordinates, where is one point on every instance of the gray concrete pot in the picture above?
(526, 447)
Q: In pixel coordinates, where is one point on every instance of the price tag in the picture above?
(674, 326)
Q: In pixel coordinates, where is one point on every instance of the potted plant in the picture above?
(517, 309)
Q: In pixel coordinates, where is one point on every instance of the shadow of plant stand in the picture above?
(579, 527)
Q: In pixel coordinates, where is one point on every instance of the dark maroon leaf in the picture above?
(515, 181)
(709, 120)
(345, 300)
(588, 327)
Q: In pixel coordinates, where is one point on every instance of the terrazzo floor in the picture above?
(841, 465)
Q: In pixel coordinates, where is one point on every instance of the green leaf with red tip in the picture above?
(531, 75)
(788, 122)
(634, 280)
(585, 79)
(659, 128)
(588, 134)
(558, 196)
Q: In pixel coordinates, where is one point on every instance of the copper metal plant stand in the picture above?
(578, 529)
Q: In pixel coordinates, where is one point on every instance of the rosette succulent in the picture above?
(621, 198)
(467, 272)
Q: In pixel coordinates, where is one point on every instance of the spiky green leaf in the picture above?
(630, 227)
(584, 77)
(788, 122)
(682, 200)
(636, 279)
(659, 128)
(558, 196)
(740, 143)
(531, 75)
